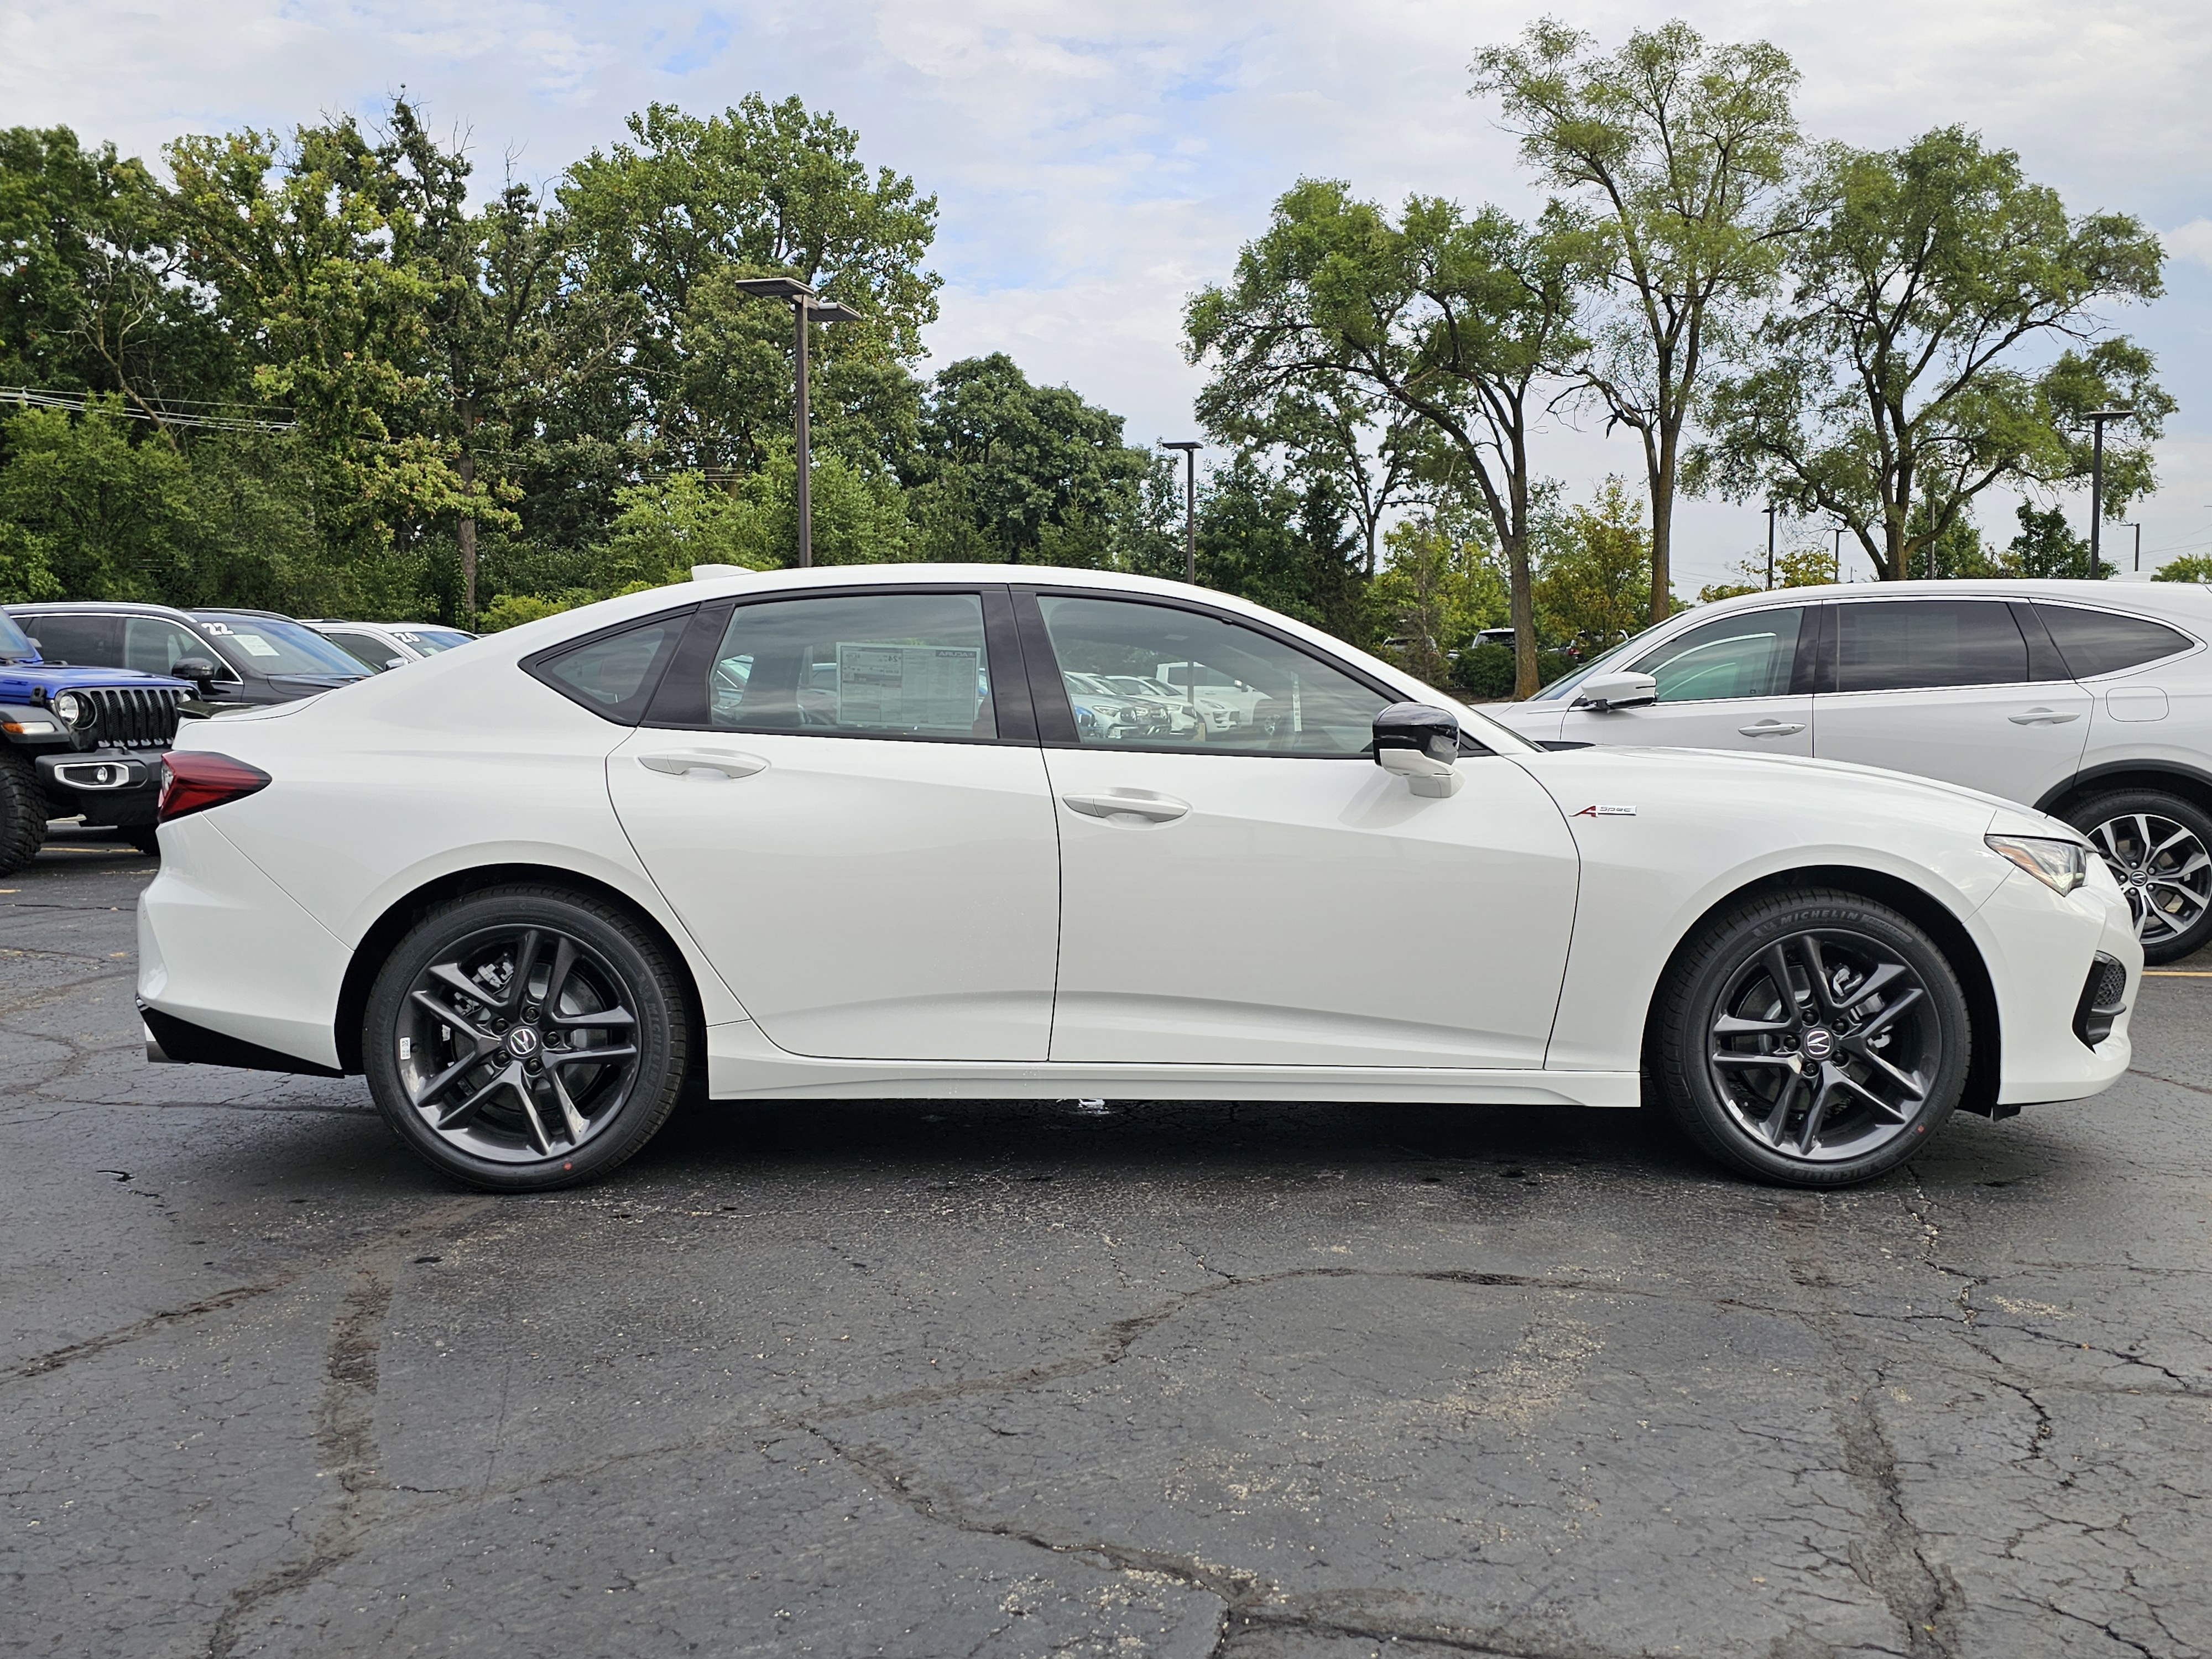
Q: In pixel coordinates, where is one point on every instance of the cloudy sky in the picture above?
(1094, 163)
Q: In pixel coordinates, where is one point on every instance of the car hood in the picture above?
(21, 682)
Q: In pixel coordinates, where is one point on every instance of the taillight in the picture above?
(193, 780)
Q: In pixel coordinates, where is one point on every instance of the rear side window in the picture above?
(88, 641)
(1905, 645)
(614, 675)
(1748, 656)
(2099, 642)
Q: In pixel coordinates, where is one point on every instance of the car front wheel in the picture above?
(2158, 848)
(526, 1038)
(1813, 1038)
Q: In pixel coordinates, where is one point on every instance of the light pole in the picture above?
(2138, 529)
(1190, 448)
(1770, 546)
(805, 305)
(1839, 530)
(2097, 419)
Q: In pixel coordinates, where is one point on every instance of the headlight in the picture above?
(73, 708)
(2061, 866)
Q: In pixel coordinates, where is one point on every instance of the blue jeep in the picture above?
(78, 741)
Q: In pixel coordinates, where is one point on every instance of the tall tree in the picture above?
(1899, 383)
(1457, 320)
(1675, 150)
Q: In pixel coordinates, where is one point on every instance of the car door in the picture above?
(1742, 681)
(1250, 899)
(840, 794)
(1948, 688)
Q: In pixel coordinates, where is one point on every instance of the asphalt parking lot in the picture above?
(992, 1379)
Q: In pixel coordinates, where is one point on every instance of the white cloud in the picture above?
(2191, 241)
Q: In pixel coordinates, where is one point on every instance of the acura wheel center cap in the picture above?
(1819, 1044)
(522, 1041)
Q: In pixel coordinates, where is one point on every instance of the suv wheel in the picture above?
(2158, 848)
(526, 1038)
(1811, 1038)
(22, 813)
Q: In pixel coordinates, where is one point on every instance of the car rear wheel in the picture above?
(22, 813)
(526, 1038)
(1813, 1038)
(2158, 848)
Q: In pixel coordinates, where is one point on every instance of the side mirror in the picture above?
(1603, 692)
(1419, 742)
(200, 671)
(391, 663)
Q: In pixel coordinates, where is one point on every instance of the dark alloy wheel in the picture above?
(1813, 1038)
(2158, 848)
(526, 1038)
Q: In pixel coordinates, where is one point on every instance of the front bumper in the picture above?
(2041, 950)
(107, 786)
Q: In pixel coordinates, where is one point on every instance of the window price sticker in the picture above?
(909, 687)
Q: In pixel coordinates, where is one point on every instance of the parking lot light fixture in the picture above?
(2097, 419)
(1190, 448)
(807, 305)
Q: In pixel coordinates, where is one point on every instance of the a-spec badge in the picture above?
(1606, 812)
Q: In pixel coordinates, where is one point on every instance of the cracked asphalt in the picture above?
(992, 1379)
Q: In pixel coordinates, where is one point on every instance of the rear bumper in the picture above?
(108, 786)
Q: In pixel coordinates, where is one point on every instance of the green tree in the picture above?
(1454, 321)
(1673, 151)
(1897, 384)
(1595, 583)
(2189, 568)
(1441, 583)
(2047, 546)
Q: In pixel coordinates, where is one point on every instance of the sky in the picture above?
(1095, 164)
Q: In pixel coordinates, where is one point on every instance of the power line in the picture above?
(80, 402)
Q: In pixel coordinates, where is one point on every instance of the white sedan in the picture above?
(536, 883)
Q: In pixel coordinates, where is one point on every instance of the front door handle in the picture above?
(1117, 804)
(2041, 717)
(1772, 729)
(700, 763)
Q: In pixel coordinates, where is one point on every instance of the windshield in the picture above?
(1559, 688)
(14, 644)
(269, 645)
(431, 641)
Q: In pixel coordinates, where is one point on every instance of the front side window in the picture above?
(859, 664)
(1907, 645)
(1225, 686)
(2099, 642)
(1750, 655)
(154, 645)
(369, 652)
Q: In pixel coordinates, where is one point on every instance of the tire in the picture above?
(1733, 1061)
(22, 813)
(495, 1087)
(2158, 848)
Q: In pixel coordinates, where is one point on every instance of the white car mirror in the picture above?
(1419, 742)
(1616, 691)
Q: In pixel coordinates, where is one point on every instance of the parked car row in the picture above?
(2091, 700)
(92, 694)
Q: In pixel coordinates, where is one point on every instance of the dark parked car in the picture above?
(77, 741)
(237, 659)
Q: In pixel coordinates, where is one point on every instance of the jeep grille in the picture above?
(131, 717)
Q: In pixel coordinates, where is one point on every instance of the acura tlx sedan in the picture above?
(838, 834)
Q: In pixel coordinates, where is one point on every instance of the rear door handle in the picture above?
(1151, 809)
(1772, 729)
(2042, 717)
(700, 762)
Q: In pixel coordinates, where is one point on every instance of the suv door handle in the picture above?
(691, 762)
(2042, 717)
(1152, 809)
(1772, 729)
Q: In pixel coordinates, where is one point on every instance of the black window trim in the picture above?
(1055, 715)
(1011, 710)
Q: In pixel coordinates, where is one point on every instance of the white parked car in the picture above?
(531, 887)
(380, 645)
(2091, 700)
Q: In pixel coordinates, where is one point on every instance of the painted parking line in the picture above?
(2175, 973)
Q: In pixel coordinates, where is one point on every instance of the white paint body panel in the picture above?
(1778, 725)
(1419, 940)
(2018, 741)
(865, 899)
(1309, 911)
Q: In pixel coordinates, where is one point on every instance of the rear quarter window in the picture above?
(2104, 642)
(614, 675)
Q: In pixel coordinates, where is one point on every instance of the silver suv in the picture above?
(2091, 700)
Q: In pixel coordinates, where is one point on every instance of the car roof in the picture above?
(140, 608)
(2182, 598)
